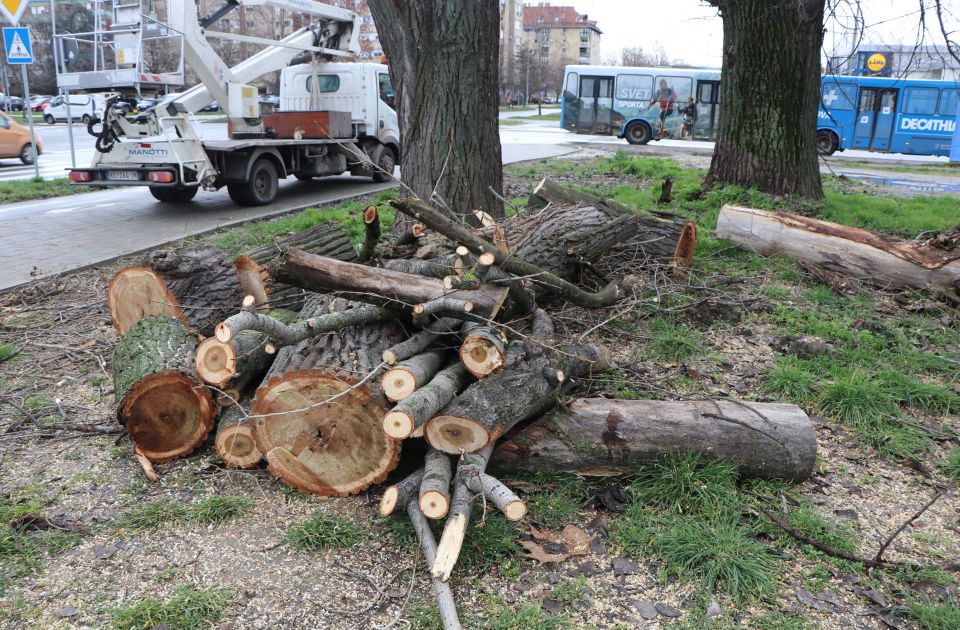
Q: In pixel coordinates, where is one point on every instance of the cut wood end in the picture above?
(222, 332)
(686, 246)
(480, 356)
(228, 397)
(487, 259)
(270, 348)
(370, 214)
(216, 361)
(398, 383)
(388, 502)
(418, 309)
(462, 250)
(236, 446)
(455, 435)
(398, 425)
(468, 307)
(136, 293)
(448, 282)
(515, 510)
(434, 504)
(248, 301)
(418, 230)
(448, 549)
(389, 357)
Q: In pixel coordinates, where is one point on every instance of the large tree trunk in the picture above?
(770, 91)
(317, 414)
(443, 64)
(167, 410)
(597, 436)
(883, 261)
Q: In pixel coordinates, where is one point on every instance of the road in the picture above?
(50, 236)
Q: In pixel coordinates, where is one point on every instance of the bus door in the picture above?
(595, 113)
(708, 108)
(875, 119)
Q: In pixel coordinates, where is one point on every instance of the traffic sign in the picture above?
(13, 9)
(16, 41)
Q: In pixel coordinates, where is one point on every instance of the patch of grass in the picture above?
(322, 532)
(490, 542)
(951, 467)
(718, 554)
(575, 592)
(214, 509)
(687, 484)
(909, 391)
(8, 351)
(904, 216)
(34, 188)
(424, 617)
(856, 399)
(188, 609)
(930, 615)
(673, 341)
(21, 546)
(558, 500)
(808, 522)
(781, 621)
(218, 509)
(788, 378)
(497, 615)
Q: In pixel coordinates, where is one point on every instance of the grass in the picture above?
(808, 522)
(497, 615)
(951, 468)
(686, 484)
(790, 381)
(188, 609)
(930, 615)
(575, 592)
(38, 188)
(212, 510)
(674, 342)
(8, 351)
(321, 532)
(558, 499)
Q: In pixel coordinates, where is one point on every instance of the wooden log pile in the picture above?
(454, 348)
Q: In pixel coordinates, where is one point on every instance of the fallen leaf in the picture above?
(538, 553)
(549, 546)
(87, 343)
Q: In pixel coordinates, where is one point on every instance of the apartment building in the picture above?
(558, 36)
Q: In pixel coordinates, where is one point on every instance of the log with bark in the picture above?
(597, 436)
(410, 415)
(234, 442)
(166, 408)
(317, 413)
(483, 349)
(879, 260)
(411, 374)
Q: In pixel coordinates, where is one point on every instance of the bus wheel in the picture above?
(827, 142)
(638, 133)
(260, 188)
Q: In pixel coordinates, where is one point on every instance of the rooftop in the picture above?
(546, 16)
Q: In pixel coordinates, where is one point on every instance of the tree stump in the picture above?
(167, 410)
(317, 413)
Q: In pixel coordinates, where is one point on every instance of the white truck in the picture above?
(333, 118)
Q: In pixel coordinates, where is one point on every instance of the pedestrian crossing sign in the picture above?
(16, 41)
(13, 9)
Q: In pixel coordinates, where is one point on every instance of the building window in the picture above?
(584, 34)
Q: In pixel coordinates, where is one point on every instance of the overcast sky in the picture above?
(691, 31)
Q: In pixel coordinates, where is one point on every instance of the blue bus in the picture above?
(889, 115)
(641, 104)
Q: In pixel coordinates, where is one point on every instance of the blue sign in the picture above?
(16, 41)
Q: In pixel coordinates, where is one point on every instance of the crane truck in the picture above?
(335, 115)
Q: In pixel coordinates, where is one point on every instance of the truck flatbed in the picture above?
(250, 143)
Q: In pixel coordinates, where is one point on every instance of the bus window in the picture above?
(634, 90)
(840, 96)
(569, 106)
(948, 102)
(708, 92)
(571, 89)
(920, 100)
(683, 86)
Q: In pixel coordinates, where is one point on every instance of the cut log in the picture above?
(240, 362)
(435, 485)
(287, 335)
(432, 267)
(376, 285)
(318, 411)
(879, 260)
(503, 497)
(482, 352)
(399, 494)
(407, 376)
(436, 331)
(167, 410)
(412, 413)
(596, 436)
(461, 506)
(371, 222)
(234, 442)
(525, 389)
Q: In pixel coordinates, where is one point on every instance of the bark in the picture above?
(435, 486)
(296, 332)
(243, 360)
(596, 436)
(439, 330)
(167, 410)
(882, 261)
(234, 442)
(770, 90)
(461, 506)
(371, 222)
(411, 374)
(409, 416)
(500, 495)
(433, 267)
(399, 494)
(377, 285)
(318, 411)
(442, 590)
(525, 389)
(443, 59)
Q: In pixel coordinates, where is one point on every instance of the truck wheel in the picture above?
(260, 188)
(26, 154)
(50, 119)
(85, 120)
(174, 195)
(827, 142)
(638, 133)
(386, 163)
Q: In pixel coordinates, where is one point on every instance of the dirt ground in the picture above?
(83, 481)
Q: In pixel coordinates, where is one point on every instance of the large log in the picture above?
(317, 413)
(167, 410)
(882, 261)
(198, 285)
(597, 436)
(376, 285)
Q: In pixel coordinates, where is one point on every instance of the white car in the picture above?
(83, 108)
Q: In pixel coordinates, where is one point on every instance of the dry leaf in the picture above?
(88, 343)
(539, 554)
(573, 540)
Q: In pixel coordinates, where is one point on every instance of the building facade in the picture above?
(557, 36)
(913, 62)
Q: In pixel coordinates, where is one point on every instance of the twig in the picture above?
(888, 541)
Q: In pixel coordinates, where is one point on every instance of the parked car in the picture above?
(83, 108)
(39, 103)
(11, 103)
(546, 100)
(15, 140)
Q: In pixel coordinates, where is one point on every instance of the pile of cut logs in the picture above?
(320, 360)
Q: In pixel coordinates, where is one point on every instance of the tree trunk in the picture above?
(234, 442)
(318, 412)
(167, 410)
(596, 436)
(770, 91)
(882, 261)
(443, 64)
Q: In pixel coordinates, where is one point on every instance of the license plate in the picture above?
(124, 175)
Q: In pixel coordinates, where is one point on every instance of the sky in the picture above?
(692, 32)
